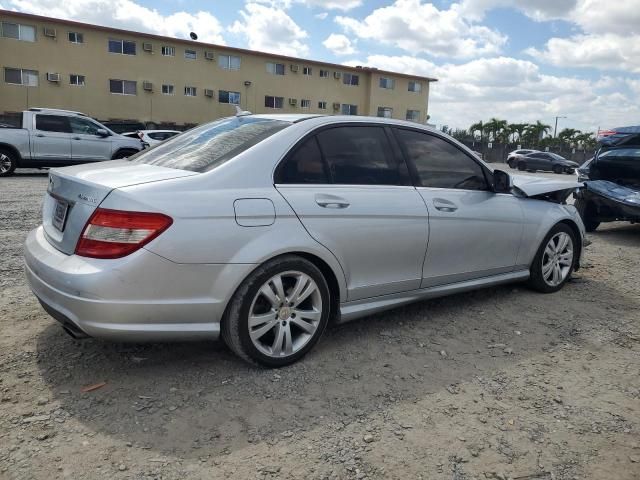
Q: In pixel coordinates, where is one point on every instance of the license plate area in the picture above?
(60, 210)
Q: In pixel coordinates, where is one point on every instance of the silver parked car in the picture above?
(263, 228)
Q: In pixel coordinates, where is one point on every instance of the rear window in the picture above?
(206, 147)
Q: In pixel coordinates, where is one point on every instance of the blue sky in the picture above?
(521, 60)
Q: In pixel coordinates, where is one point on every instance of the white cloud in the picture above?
(270, 29)
(516, 90)
(602, 51)
(343, 5)
(127, 14)
(339, 44)
(536, 9)
(419, 27)
(321, 15)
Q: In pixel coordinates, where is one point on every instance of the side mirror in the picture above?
(501, 182)
(101, 132)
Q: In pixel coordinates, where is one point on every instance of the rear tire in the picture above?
(587, 215)
(557, 169)
(555, 260)
(511, 163)
(257, 315)
(8, 162)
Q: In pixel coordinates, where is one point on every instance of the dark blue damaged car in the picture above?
(612, 179)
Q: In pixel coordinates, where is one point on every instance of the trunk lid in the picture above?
(75, 192)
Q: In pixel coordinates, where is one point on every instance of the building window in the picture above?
(349, 109)
(229, 97)
(190, 91)
(190, 54)
(350, 79)
(229, 62)
(18, 31)
(168, 51)
(305, 103)
(388, 83)
(273, 102)
(275, 68)
(324, 73)
(322, 105)
(167, 89)
(307, 71)
(413, 115)
(123, 87)
(19, 76)
(415, 87)
(122, 47)
(75, 37)
(77, 80)
(385, 112)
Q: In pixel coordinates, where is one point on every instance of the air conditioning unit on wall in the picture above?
(208, 92)
(147, 47)
(336, 75)
(293, 101)
(49, 32)
(148, 86)
(208, 55)
(336, 105)
(53, 77)
(295, 68)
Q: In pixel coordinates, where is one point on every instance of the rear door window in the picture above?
(53, 123)
(206, 147)
(361, 155)
(304, 165)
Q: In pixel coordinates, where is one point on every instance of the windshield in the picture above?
(208, 146)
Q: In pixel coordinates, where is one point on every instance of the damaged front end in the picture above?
(556, 191)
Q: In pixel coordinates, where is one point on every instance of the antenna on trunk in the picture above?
(242, 113)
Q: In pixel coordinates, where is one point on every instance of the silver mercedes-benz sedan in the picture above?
(263, 228)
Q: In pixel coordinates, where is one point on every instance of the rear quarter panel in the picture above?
(18, 139)
(205, 230)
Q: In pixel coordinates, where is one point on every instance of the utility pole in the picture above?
(555, 130)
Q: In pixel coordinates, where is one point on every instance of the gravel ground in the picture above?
(500, 383)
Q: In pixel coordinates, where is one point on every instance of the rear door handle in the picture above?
(331, 201)
(77, 138)
(40, 135)
(444, 205)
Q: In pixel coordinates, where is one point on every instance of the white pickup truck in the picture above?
(55, 138)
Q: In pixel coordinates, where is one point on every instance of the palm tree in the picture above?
(497, 128)
(518, 128)
(567, 135)
(535, 131)
(477, 127)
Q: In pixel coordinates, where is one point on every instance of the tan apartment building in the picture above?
(113, 74)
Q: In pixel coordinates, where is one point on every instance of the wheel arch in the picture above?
(336, 289)
(123, 150)
(12, 149)
(576, 231)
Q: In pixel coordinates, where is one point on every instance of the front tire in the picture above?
(555, 260)
(124, 154)
(278, 313)
(557, 169)
(8, 163)
(522, 166)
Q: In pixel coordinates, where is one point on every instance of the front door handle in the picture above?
(331, 201)
(77, 138)
(40, 135)
(444, 205)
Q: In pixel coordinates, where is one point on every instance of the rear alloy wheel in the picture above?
(279, 312)
(511, 163)
(522, 166)
(7, 163)
(557, 169)
(555, 260)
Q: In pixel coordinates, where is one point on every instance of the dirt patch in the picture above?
(499, 383)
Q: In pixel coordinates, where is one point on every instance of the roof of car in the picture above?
(296, 118)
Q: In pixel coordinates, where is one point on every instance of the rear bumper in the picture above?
(141, 297)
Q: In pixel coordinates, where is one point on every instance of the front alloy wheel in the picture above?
(278, 313)
(555, 260)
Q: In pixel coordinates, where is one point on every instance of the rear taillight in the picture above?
(116, 233)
